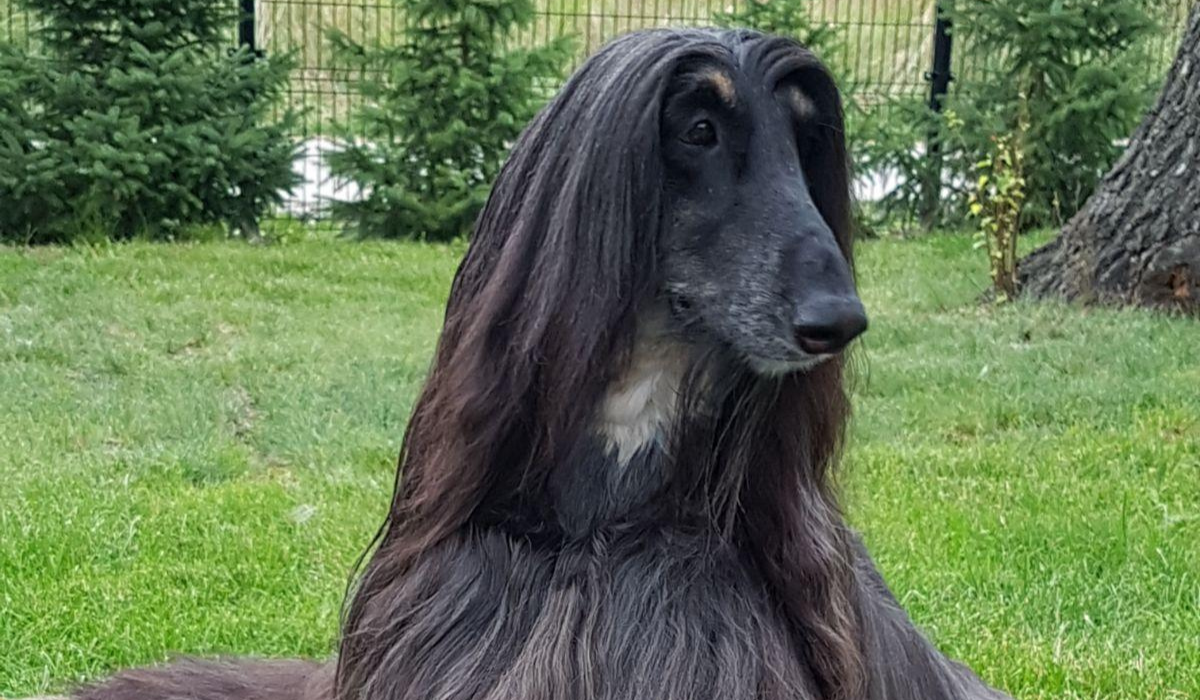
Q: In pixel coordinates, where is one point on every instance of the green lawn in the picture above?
(197, 441)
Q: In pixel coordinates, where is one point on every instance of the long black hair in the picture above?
(541, 317)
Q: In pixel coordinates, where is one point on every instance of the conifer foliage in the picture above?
(1077, 70)
(136, 118)
(440, 109)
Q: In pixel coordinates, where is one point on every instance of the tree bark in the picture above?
(1137, 239)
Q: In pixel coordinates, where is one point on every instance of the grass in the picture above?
(197, 441)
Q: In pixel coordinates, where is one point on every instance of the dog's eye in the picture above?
(702, 133)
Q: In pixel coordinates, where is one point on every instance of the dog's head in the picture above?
(704, 167)
(754, 245)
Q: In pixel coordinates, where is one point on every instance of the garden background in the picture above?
(198, 437)
(886, 51)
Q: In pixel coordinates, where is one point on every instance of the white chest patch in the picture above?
(639, 407)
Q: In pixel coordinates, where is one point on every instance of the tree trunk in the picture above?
(1137, 239)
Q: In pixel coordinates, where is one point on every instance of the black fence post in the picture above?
(939, 84)
(246, 27)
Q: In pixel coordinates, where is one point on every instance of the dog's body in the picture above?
(616, 482)
(625, 610)
(623, 604)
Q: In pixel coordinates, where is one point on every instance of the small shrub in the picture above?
(440, 111)
(997, 202)
(891, 139)
(136, 119)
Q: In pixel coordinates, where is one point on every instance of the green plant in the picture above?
(1081, 67)
(892, 139)
(997, 202)
(440, 110)
(135, 119)
(1077, 68)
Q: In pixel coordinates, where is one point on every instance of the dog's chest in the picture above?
(659, 617)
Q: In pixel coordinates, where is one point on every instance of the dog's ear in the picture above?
(544, 301)
(542, 304)
(827, 167)
(569, 237)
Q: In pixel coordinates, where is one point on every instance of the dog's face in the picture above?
(749, 263)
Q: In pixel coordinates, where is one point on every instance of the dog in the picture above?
(617, 481)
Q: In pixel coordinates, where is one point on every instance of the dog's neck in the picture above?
(621, 464)
(639, 407)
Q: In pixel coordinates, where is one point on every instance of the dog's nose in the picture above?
(828, 326)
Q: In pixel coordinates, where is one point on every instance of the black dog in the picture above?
(616, 483)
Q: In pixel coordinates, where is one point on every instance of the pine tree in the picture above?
(1078, 68)
(439, 112)
(135, 118)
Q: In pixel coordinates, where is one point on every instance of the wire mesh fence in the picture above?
(886, 51)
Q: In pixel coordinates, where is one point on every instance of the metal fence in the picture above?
(886, 50)
(886, 46)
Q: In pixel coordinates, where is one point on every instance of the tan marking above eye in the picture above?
(803, 104)
(723, 85)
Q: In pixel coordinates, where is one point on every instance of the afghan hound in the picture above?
(616, 483)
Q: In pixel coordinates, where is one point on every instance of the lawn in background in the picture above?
(196, 441)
